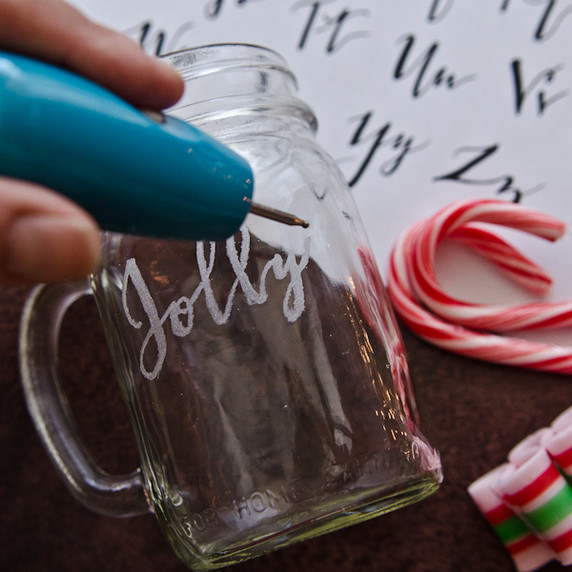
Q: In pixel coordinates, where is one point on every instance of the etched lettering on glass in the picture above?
(179, 316)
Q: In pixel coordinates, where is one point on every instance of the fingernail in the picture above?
(51, 248)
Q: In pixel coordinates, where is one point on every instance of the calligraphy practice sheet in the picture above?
(420, 102)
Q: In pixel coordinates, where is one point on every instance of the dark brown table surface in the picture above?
(479, 412)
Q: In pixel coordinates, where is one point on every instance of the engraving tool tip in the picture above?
(276, 215)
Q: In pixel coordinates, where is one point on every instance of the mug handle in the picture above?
(113, 495)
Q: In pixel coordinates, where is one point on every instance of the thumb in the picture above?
(44, 237)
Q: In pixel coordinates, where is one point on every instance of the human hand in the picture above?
(44, 236)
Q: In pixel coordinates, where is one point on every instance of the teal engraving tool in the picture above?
(135, 172)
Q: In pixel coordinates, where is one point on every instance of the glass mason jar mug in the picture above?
(265, 377)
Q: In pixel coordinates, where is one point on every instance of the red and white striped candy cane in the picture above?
(497, 318)
(498, 251)
(411, 280)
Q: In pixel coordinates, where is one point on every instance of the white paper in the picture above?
(443, 84)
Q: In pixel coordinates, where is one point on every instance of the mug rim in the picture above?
(227, 54)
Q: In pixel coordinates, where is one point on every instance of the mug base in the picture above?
(330, 521)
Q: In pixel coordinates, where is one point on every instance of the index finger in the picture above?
(55, 31)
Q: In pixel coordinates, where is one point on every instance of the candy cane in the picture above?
(497, 318)
(411, 277)
(516, 265)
